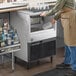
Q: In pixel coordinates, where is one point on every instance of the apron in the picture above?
(68, 20)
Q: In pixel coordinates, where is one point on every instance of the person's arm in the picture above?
(57, 15)
(59, 5)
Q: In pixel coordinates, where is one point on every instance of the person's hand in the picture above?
(43, 14)
(53, 21)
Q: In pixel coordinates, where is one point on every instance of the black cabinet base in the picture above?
(41, 49)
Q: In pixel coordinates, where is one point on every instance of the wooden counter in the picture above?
(12, 9)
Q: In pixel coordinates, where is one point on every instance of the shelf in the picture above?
(10, 46)
(7, 52)
(9, 49)
(12, 51)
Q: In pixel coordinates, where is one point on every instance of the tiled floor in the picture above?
(20, 70)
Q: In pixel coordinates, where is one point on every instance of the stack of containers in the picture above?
(8, 35)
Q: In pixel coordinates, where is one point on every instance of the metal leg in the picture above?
(13, 61)
(51, 59)
(38, 62)
(2, 59)
(28, 65)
